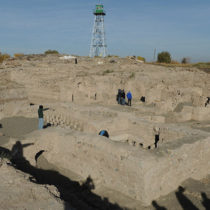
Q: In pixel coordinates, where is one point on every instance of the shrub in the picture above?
(18, 55)
(185, 60)
(51, 52)
(141, 58)
(4, 57)
(109, 56)
(164, 57)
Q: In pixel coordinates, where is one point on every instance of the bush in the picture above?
(4, 57)
(164, 57)
(185, 60)
(18, 55)
(51, 52)
(141, 58)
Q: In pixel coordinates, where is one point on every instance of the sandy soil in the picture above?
(82, 98)
(16, 127)
(194, 194)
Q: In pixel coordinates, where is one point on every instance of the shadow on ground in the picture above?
(185, 202)
(76, 196)
(80, 196)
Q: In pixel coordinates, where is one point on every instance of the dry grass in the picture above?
(202, 66)
(4, 57)
(173, 64)
(141, 58)
(18, 55)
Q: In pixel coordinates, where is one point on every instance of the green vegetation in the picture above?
(164, 57)
(51, 52)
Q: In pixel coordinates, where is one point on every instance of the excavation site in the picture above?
(156, 152)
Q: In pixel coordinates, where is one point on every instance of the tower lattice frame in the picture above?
(98, 42)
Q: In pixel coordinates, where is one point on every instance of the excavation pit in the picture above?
(142, 175)
(154, 145)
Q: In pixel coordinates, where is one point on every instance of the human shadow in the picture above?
(17, 149)
(76, 195)
(184, 201)
(157, 207)
(205, 201)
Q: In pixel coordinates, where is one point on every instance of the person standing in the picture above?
(41, 117)
(119, 94)
(129, 97)
(123, 97)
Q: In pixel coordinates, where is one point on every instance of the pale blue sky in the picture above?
(133, 27)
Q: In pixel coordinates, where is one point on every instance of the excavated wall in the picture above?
(141, 174)
(82, 101)
(133, 130)
(50, 80)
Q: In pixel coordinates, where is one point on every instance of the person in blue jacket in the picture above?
(129, 97)
(104, 133)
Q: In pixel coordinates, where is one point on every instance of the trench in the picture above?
(133, 132)
(74, 194)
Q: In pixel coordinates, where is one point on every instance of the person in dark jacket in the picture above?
(119, 96)
(123, 97)
(41, 117)
(129, 97)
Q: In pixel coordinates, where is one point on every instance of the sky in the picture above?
(133, 27)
